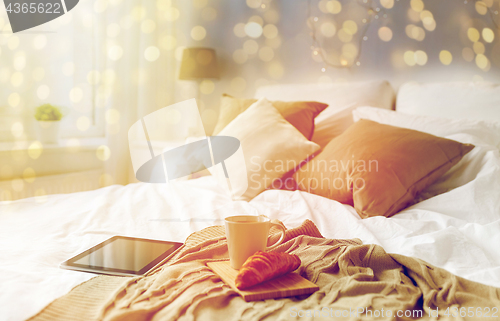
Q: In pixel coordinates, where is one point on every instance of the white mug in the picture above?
(247, 234)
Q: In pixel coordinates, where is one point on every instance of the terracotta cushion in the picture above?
(379, 169)
(300, 114)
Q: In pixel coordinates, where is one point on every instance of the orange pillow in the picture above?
(379, 169)
(300, 114)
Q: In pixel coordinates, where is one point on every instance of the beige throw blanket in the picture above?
(357, 282)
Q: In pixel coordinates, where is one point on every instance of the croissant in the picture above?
(263, 266)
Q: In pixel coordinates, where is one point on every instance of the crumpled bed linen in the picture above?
(357, 282)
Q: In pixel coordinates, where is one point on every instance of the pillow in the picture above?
(455, 100)
(379, 169)
(484, 135)
(342, 99)
(486, 131)
(300, 114)
(271, 147)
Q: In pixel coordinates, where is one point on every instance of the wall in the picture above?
(242, 71)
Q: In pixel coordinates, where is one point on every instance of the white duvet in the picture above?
(458, 230)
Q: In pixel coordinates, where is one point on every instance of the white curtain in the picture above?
(135, 44)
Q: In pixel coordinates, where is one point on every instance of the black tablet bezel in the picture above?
(104, 270)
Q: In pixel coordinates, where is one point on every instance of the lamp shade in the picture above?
(198, 63)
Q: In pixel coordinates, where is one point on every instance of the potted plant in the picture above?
(48, 118)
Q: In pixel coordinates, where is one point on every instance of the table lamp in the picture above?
(198, 63)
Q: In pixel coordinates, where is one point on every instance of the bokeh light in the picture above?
(76, 94)
(276, 70)
(420, 57)
(270, 31)
(488, 35)
(253, 29)
(413, 15)
(17, 79)
(112, 116)
(415, 32)
(35, 150)
(387, 3)
(172, 14)
(334, 6)
(256, 19)
(239, 30)
(385, 34)
(409, 58)
(482, 61)
(152, 53)
(200, 4)
(254, 4)
(17, 129)
(417, 5)
(93, 77)
(481, 7)
(14, 99)
(473, 34)
(207, 86)
(103, 153)
(445, 57)
(115, 52)
(478, 48)
(328, 29)
(350, 27)
(198, 33)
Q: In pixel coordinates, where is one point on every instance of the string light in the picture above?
(489, 10)
(374, 12)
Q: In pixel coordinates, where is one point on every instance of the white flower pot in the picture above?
(48, 131)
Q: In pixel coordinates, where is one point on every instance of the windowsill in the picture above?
(52, 159)
(67, 144)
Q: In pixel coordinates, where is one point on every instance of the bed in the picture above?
(455, 225)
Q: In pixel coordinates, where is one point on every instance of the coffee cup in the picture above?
(247, 234)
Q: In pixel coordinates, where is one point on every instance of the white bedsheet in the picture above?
(458, 230)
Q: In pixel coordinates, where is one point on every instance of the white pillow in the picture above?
(456, 100)
(271, 147)
(486, 131)
(342, 99)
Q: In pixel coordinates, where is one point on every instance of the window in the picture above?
(53, 63)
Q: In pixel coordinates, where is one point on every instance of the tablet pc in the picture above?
(121, 255)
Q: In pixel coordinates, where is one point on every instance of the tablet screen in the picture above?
(123, 255)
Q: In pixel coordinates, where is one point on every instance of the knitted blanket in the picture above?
(357, 282)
